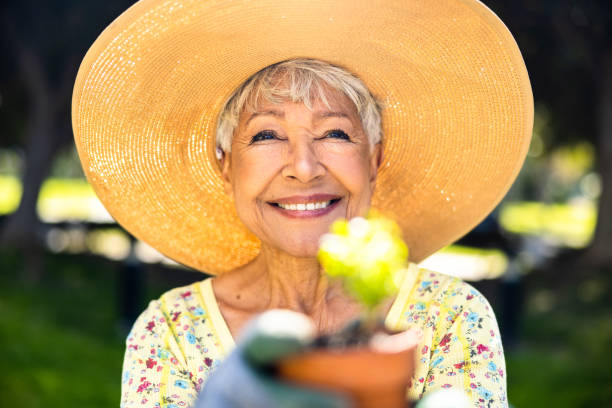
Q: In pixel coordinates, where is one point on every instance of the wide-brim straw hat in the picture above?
(457, 119)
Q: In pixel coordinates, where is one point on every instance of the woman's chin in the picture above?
(296, 242)
(299, 248)
(307, 251)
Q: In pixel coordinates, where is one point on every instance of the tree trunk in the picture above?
(43, 140)
(600, 252)
(21, 228)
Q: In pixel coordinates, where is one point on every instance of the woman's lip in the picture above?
(306, 213)
(305, 199)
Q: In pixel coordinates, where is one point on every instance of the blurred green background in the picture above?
(72, 281)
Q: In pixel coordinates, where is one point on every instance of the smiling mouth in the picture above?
(311, 206)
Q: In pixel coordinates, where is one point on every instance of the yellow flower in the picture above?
(366, 254)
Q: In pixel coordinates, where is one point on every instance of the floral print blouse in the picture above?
(179, 340)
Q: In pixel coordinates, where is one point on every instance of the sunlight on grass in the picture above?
(571, 224)
(69, 199)
(59, 200)
(468, 263)
(10, 194)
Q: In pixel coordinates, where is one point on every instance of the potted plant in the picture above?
(363, 360)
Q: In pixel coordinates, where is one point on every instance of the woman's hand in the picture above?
(246, 378)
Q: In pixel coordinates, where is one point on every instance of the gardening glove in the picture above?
(246, 378)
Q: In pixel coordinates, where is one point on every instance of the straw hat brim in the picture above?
(457, 119)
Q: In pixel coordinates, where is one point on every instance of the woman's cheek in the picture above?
(349, 163)
(260, 162)
(254, 169)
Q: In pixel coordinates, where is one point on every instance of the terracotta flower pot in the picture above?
(376, 376)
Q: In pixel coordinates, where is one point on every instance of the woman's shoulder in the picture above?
(427, 296)
(169, 311)
(186, 297)
(176, 330)
(461, 345)
(441, 288)
(172, 304)
(172, 348)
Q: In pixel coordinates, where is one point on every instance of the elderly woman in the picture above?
(208, 134)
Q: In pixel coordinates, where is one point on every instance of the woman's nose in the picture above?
(303, 162)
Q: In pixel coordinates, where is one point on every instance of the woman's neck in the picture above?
(293, 283)
(277, 280)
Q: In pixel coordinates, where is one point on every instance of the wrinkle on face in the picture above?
(299, 160)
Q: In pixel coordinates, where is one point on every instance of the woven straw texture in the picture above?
(457, 121)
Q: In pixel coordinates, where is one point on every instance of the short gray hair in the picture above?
(299, 80)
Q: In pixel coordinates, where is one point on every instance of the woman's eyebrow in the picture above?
(329, 114)
(277, 113)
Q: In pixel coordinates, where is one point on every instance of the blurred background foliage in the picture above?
(72, 281)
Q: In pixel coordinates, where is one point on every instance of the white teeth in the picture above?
(305, 206)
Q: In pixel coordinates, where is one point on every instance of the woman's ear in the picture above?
(376, 159)
(226, 169)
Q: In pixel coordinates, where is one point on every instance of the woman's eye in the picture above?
(337, 134)
(263, 135)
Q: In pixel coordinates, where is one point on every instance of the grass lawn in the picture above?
(62, 346)
(564, 359)
(58, 337)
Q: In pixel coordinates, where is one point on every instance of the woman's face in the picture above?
(292, 171)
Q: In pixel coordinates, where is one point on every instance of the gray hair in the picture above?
(299, 80)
